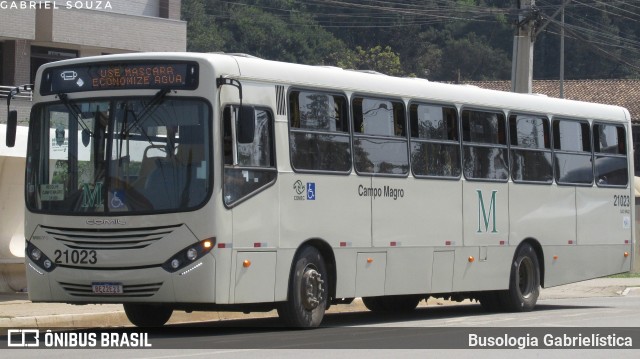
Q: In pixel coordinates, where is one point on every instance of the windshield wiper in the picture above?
(149, 108)
(77, 114)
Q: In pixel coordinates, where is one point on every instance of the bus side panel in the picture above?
(489, 269)
(338, 213)
(485, 213)
(604, 215)
(335, 213)
(427, 214)
(255, 226)
(545, 213)
(568, 264)
(408, 270)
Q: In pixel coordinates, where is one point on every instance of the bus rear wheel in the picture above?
(524, 281)
(308, 291)
(147, 315)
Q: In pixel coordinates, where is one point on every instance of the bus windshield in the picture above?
(119, 156)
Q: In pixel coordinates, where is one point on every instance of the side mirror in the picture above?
(86, 137)
(12, 125)
(246, 128)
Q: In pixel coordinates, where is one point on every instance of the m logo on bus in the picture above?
(92, 198)
(486, 218)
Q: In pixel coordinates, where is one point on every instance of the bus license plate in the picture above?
(107, 288)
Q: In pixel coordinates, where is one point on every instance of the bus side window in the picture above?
(530, 149)
(611, 168)
(319, 132)
(572, 152)
(255, 169)
(380, 138)
(485, 147)
(435, 143)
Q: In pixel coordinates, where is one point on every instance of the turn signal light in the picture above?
(246, 263)
(626, 254)
(471, 259)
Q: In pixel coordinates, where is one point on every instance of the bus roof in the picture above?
(332, 78)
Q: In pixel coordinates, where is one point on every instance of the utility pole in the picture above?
(522, 63)
(562, 54)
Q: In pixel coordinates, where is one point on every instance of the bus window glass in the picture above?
(611, 167)
(116, 156)
(609, 139)
(319, 132)
(255, 167)
(529, 132)
(435, 149)
(485, 155)
(530, 149)
(431, 122)
(318, 111)
(380, 144)
(572, 152)
(483, 127)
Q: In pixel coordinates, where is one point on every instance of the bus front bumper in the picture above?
(194, 283)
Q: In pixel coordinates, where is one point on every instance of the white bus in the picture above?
(182, 181)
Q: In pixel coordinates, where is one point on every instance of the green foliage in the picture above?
(376, 59)
(438, 39)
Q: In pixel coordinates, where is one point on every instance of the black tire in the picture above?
(308, 291)
(524, 281)
(147, 315)
(392, 303)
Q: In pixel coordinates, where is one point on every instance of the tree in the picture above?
(376, 59)
(203, 34)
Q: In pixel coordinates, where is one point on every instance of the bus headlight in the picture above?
(40, 259)
(36, 254)
(189, 255)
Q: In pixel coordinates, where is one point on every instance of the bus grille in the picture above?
(109, 239)
(128, 291)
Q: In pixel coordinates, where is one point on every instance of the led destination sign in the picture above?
(122, 76)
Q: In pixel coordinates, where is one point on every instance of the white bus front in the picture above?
(118, 187)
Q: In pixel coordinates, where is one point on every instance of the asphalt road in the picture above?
(344, 335)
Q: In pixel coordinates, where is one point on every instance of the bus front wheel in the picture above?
(147, 315)
(524, 281)
(308, 291)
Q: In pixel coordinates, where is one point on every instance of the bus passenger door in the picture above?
(249, 192)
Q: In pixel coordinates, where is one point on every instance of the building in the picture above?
(33, 33)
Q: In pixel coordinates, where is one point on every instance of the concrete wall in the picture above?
(18, 24)
(137, 7)
(12, 169)
(107, 30)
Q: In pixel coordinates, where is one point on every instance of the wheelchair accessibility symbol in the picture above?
(304, 191)
(311, 191)
(116, 200)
